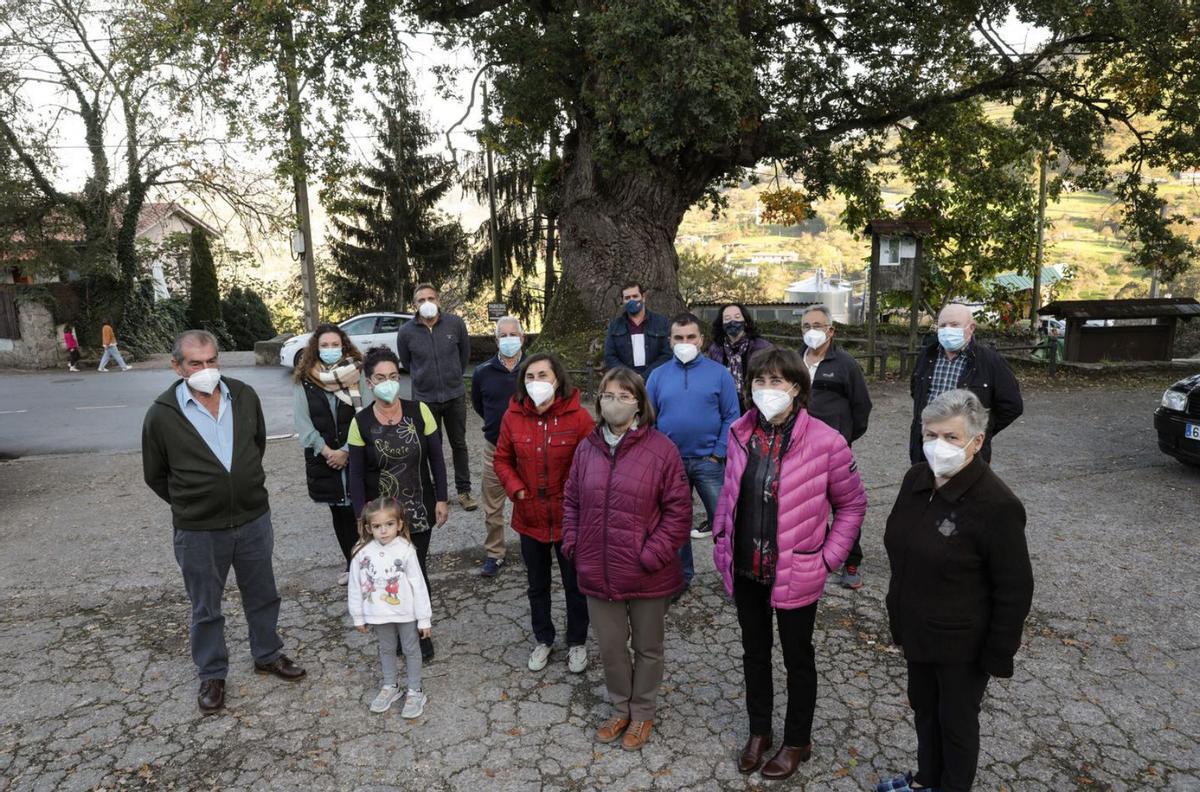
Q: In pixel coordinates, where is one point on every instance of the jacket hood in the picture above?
(522, 406)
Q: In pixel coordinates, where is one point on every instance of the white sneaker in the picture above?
(72, 368)
(343, 578)
(102, 369)
(414, 705)
(127, 368)
(577, 659)
(383, 701)
(539, 657)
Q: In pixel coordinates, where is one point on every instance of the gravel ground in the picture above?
(99, 690)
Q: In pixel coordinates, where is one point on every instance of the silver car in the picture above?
(365, 330)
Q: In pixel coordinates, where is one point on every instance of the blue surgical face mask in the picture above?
(331, 355)
(951, 338)
(387, 391)
(634, 307)
(510, 346)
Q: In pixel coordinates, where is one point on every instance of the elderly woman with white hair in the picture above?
(960, 590)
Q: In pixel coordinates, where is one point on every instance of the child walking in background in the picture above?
(72, 347)
(387, 591)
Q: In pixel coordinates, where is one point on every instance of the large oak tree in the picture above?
(661, 102)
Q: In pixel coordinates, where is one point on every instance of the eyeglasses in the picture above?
(817, 326)
(378, 378)
(624, 398)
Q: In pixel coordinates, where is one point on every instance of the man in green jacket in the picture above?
(202, 447)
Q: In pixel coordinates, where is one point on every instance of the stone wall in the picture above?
(40, 344)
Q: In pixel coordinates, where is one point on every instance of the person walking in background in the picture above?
(638, 339)
(108, 337)
(735, 339)
(435, 348)
(695, 402)
(202, 452)
(387, 591)
(492, 386)
(774, 546)
(961, 586)
(72, 345)
(396, 452)
(627, 511)
(330, 387)
(956, 360)
(839, 398)
(538, 436)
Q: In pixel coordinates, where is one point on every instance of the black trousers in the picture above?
(855, 557)
(452, 417)
(754, 610)
(538, 567)
(945, 699)
(346, 529)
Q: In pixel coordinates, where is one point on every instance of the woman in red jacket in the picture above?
(538, 435)
(628, 510)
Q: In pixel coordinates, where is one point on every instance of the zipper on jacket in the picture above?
(437, 365)
(612, 468)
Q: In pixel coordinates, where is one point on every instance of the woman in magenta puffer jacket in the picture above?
(628, 510)
(784, 472)
(538, 435)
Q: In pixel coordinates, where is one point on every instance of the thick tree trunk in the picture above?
(613, 229)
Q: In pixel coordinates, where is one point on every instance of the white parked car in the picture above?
(365, 330)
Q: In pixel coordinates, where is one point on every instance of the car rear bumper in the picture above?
(1170, 425)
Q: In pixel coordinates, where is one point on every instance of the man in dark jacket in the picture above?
(492, 387)
(956, 360)
(638, 339)
(434, 347)
(838, 397)
(202, 447)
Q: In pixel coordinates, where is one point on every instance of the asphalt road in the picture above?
(58, 412)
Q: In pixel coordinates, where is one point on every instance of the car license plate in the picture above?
(1191, 431)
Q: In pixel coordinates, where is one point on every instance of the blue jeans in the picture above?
(111, 353)
(705, 477)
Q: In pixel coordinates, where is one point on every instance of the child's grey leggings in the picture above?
(406, 632)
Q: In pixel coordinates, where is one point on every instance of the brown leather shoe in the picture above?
(611, 729)
(786, 760)
(212, 696)
(637, 734)
(752, 755)
(281, 667)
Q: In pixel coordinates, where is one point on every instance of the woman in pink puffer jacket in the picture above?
(784, 473)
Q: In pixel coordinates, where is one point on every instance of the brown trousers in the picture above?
(494, 497)
(632, 683)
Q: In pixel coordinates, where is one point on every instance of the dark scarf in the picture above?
(735, 358)
(759, 540)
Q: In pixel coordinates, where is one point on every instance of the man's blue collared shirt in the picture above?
(217, 432)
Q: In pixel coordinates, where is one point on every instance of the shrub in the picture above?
(205, 305)
(246, 317)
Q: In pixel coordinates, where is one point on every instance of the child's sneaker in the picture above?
(851, 577)
(539, 657)
(383, 701)
(577, 659)
(414, 705)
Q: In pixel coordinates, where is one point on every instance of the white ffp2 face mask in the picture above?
(771, 401)
(944, 458)
(540, 392)
(205, 380)
(686, 352)
(814, 339)
(428, 310)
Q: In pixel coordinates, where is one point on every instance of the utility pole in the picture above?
(1162, 212)
(299, 168)
(491, 177)
(1035, 301)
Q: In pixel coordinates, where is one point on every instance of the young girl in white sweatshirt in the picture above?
(387, 591)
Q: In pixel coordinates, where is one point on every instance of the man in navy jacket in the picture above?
(639, 338)
(492, 386)
(696, 402)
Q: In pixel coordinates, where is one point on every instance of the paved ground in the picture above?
(59, 412)
(98, 690)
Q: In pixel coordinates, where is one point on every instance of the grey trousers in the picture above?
(632, 684)
(204, 558)
(411, 643)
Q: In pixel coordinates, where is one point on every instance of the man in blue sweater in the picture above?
(696, 401)
(492, 386)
